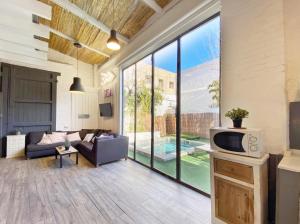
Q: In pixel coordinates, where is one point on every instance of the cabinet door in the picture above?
(233, 202)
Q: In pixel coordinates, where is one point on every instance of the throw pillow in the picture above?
(45, 140)
(56, 137)
(88, 137)
(73, 137)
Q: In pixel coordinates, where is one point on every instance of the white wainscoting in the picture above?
(85, 104)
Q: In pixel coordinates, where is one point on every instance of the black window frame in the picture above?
(178, 91)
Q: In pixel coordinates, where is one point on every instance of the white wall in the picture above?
(292, 49)
(66, 114)
(253, 72)
(110, 123)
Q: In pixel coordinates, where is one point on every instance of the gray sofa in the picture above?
(33, 150)
(104, 150)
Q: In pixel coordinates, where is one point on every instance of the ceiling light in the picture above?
(113, 42)
(76, 86)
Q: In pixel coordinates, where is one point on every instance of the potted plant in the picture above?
(237, 115)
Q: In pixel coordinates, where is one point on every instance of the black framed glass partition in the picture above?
(199, 94)
(143, 110)
(128, 120)
(170, 101)
(165, 103)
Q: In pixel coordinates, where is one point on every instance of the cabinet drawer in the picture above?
(234, 170)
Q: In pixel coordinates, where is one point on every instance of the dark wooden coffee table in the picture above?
(61, 151)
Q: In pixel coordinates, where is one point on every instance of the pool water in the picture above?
(167, 148)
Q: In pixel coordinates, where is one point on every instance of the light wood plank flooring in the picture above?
(38, 191)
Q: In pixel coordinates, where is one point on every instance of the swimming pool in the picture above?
(170, 148)
(165, 148)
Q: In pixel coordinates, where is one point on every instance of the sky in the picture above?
(197, 47)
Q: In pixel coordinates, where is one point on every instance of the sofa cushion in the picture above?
(73, 137)
(35, 137)
(35, 147)
(75, 143)
(58, 137)
(86, 146)
(88, 137)
(101, 131)
(45, 140)
(83, 132)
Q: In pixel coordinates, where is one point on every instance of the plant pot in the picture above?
(237, 123)
(67, 147)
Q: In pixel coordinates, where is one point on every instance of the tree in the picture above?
(214, 90)
(143, 99)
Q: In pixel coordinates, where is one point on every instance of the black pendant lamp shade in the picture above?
(76, 85)
(112, 42)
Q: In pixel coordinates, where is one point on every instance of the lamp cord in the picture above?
(113, 25)
(77, 61)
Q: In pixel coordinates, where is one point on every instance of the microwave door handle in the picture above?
(245, 143)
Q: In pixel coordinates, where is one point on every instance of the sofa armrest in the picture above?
(108, 150)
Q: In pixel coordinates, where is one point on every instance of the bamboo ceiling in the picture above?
(130, 17)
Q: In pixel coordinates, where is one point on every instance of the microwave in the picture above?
(245, 142)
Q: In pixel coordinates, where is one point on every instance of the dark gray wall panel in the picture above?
(29, 99)
(32, 112)
(37, 127)
(33, 90)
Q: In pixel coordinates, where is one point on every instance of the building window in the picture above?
(161, 83)
(171, 85)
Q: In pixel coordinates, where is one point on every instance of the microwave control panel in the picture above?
(253, 142)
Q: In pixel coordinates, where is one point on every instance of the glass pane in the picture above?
(165, 72)
(200, 72)
(129, 106)
(143, 110)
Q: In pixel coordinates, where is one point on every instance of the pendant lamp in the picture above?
(113, 42)
(76, 86)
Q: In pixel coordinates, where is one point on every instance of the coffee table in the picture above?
(61, 151)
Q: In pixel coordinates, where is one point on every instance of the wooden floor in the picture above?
(37, 191)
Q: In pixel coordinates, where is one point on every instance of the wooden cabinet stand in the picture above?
(239, 189)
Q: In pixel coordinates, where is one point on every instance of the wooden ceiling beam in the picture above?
(65, 4)
(73, 40)
(153, 4)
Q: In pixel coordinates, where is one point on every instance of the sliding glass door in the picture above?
(129, 108)
(165, 102)
(170, 101)
(200, 72)
(143, 110)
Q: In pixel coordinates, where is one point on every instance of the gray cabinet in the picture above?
(288, 189)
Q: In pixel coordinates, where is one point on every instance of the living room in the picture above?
(130, 111)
